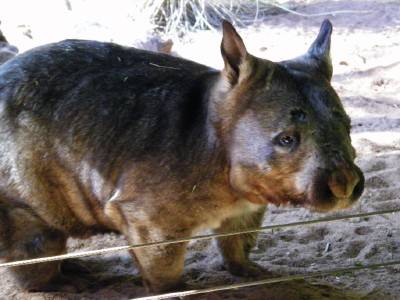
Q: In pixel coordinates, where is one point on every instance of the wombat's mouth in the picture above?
(318, 196)
(285, 199)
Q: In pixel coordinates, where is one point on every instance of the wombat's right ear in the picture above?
(3, 38)
(233, 52)
(320, 49)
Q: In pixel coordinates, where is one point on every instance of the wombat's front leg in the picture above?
(161, 267)
(236, 249)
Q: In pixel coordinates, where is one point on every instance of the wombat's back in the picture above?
(102, 95)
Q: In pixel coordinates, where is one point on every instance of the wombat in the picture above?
(96, 136)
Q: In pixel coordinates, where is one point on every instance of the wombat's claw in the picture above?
(247, 269)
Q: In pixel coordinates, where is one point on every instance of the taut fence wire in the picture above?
(337, 271)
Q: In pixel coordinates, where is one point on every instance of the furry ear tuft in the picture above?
(233, 52)
(320, 49)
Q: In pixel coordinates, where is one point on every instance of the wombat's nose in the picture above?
(343, 181)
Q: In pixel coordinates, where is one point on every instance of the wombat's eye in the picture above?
(286, 140)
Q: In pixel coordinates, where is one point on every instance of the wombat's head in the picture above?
(285, 130)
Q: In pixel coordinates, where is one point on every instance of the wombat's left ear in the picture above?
(233, 52)
(320, 50)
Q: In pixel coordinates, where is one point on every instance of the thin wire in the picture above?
(194, 238)
(336, 271)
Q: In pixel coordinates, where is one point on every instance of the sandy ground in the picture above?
(366, 59)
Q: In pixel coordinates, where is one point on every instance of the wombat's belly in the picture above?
(69, 193)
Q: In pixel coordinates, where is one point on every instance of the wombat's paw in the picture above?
(87, 277)
(246, 269)
(73, 277)
(62, 283)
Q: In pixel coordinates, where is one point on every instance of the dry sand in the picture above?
(366, 59)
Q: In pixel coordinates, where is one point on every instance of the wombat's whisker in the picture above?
(195, 238)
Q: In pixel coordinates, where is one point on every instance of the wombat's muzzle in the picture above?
(338, 188)
(346, 182)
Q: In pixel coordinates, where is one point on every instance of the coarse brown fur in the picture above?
(97, 137)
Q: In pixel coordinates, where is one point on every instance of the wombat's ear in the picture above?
(320, 50)
(2, 37)
(233, 52)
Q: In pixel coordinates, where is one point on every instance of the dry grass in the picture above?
(176, 17)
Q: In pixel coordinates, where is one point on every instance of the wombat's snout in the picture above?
(336, 188)
(346, 183)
